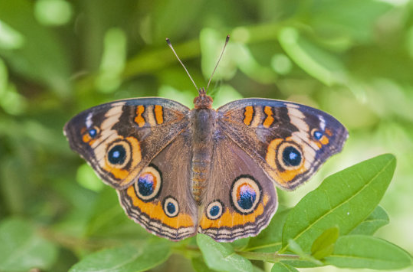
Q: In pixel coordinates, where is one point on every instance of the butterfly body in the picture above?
(179, 172)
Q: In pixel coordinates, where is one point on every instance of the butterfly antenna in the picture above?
(220, 57)
(171, 46)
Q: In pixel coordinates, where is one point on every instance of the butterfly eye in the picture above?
(214, 210)
(245, 194)
(148, 184)
(171, 207)
(119, 154)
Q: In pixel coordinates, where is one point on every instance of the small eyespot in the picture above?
(245, 194)
(148, 184)
(171, 207)
(93, 132)
(317, 134)
(291, 156)
(214, 210)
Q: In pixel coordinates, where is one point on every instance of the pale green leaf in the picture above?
(221, 256)
(359, 251)
(21, 248)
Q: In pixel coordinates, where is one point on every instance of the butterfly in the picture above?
(181, 171)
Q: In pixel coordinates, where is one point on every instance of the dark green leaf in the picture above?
(127, 258)
(282, 267)
(221, 256)
(359, 251)
(269, 240)
(378, 218)
(22, 249)
(108, 219)
(199, 265)
(324, 244)
(344, 199)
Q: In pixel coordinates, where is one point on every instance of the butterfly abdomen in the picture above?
(203, 122)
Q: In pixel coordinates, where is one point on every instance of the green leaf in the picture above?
(41, 56)
(199, 265)
(344, 199)
(294, 247)
(324, 245)
(282, 267)
(312, 59)
(127, 258)
(221, 256)
(378, 218)
(269, 240)
(108, 219)
(359, 251)
(22, 249)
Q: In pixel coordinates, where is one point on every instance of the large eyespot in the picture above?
(148, 185)
(214, 210)
(119, 154)
(245, 194)
(289, 156)
(171, 206)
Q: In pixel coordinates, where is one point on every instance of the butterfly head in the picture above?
(203, 101)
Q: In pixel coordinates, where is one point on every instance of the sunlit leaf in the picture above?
(344, 199)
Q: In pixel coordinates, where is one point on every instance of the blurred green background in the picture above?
(352, 59)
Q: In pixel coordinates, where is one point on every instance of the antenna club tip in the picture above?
(168, 41)
(227, 38)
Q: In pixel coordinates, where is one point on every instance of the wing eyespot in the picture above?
(245, 194)
(149, 183)
(290, 156)
(119, 154)
(171, 206)
(214, 210)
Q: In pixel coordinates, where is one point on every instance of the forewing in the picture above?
(290, 141)
(119, 139)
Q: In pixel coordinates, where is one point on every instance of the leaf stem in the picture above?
(267, 257)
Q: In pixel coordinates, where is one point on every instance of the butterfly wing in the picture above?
(290, 141)
(161, 199)
(240, 198)
(119, 139)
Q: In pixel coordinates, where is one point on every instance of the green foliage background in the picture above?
(352, 59)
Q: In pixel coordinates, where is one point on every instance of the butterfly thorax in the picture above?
(203, 125)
